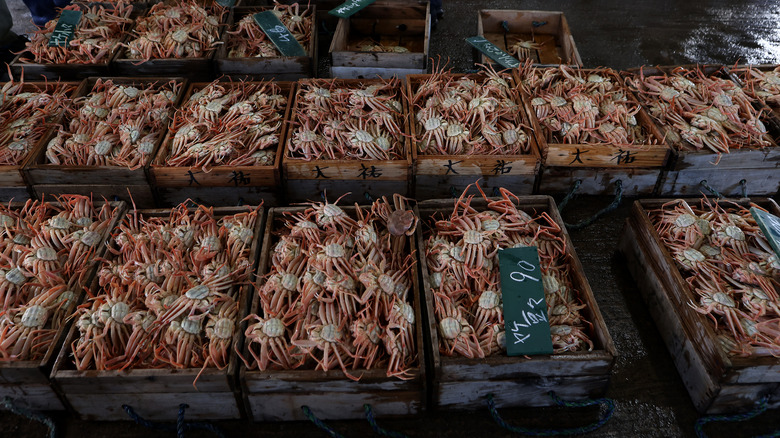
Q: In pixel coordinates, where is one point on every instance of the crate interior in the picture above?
(387, 26)
(548, 30)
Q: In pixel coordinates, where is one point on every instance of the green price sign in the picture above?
(491, 51)
(65, 28)
(525, 309)
(770, 225)
(279, 34)
(347, 9)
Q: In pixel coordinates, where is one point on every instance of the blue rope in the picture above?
(758, 410)
(317, 422)
(603, 418)
(710, 189)
(569, 195)
(453, 193)
(743, 185)
(9, 404)
(376, 428)
(611, 207)
(180, 421)
(180, 427)
(368, 197)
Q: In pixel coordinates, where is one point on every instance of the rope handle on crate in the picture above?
(375, 426)
(710, 189)
(319, 423)
(760, 408)
(587, 222)
(9, 404)
(604, 417)
(743, 187)
(180, 427)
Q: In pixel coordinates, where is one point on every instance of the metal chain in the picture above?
(603, 418)
(712, 190)
(375, 426)
(9, 404)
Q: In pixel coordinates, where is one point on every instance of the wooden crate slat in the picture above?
(465, 387)
(533, 391)
(280, 68)
(99, 395)
(277, 395)
(759, 182)
(715, 382)
(159, 406)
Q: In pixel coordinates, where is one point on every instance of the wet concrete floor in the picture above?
(649, 395)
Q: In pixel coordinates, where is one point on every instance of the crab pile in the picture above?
(469, 115)
(176, 30)
(168, 292)
(697, 110)
(333, 120)
(524, 49)
(583, 107)
(47, 252)
(99, 32)
(26, 113)
(248, 40)
(461, 252)
(338, 292)
(228, 124)
(763, 85)
(114, 125)
(725, 259)
(371, 45)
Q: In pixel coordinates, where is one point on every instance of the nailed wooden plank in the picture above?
(362, 192)
(373, 72)
(327, 406)
(525, 391)
(141, 194)
(760, 182)
(30, 396)
(245, 195)
(636, 182)
(161, 406)
(451, 186)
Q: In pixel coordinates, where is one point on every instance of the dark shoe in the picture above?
(9, 50)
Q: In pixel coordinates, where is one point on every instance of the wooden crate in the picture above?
(760, 168)
(27, 382)
(155, 394)
(362, 179)
(463, 383)
(281, 68)
(716, 383)
(194, 69)
(277, 395)
(547, 28)
(13, 185)
(223, 185)
(639, 166)
(106, 181)
(23, 63)
(439, 176)
(381, 21)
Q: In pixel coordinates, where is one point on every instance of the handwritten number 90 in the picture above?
(522, 276)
